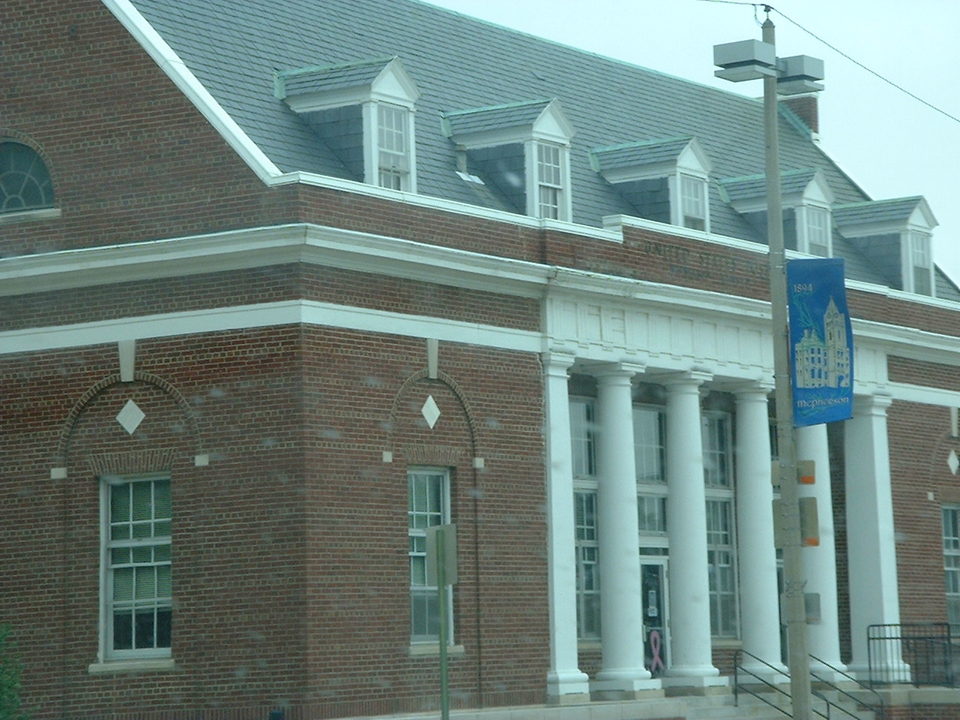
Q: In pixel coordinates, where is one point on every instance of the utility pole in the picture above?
(794, 608)
(750, 60)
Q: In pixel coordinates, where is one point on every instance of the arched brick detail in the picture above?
(21, 137)
(70, 423)
(457, 393)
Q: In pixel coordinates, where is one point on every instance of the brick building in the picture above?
(284, 284)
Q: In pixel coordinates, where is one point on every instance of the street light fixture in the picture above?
(753, 60)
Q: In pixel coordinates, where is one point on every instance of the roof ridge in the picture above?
(503, 106)
(886, 201)
(337, 66)
(642, 143)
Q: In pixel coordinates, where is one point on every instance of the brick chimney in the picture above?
(805, 107)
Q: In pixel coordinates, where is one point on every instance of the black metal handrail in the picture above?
(877, 708)
(911, 653)
(737, 687)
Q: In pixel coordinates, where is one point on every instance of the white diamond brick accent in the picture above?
(130, 417)
(953, 462)
(430, 411)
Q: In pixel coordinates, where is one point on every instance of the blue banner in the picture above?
(821, 342)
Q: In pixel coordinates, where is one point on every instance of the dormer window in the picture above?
(693, 202)
(813, 230)
(520, 152)
(920, 262)
(806, 199)
(393, 138)
(364, 112)
(664, 180)
(895, 235)
(549, 181)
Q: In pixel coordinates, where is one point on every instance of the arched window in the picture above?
(24, 179)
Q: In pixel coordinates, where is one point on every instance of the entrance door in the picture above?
(653, 587)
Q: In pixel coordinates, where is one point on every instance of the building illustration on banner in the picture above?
(823, 359)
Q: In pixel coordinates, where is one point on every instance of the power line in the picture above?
(768, 8)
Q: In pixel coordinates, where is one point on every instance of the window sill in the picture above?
(133, 666)
(727, 643)
(29, 215)
(433, 650)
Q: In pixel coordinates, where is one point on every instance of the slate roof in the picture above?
(636, 154)
(235, 48)
(878, 211)
(331, 77)
(755, 186)
(494, 118)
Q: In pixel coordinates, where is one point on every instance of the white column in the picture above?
(759, 598)
(820, 563)
(565, 682)
(621, 621)
(690, 639)
(871, 550)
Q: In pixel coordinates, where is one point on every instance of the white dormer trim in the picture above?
(372, 115)
(534, 181)
(916, 262)
(391, 89)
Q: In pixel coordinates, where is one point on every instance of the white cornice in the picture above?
(189, 85)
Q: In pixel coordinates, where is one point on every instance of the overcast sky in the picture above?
(890, 144)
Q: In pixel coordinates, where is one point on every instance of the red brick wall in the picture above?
(290, 566)
(263, 285)
(131, 158)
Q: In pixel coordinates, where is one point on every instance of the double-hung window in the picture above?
(582, 440)
(550, 180)
(428, 505)
(588, 565)
(921, 265)
(951, 564)
(721, 547)
(394, 146)
(693, 202)
(817, 230)
(649, 449)
(137, 589)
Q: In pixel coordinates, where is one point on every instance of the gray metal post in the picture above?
(793, 581)
(441, 558)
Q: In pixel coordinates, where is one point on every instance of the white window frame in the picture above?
(583, 444)
(722, 567)
(916, 259)
(588, 564)
(814, 233)
(548, 182)
(389, 160)
(693, 202)
(718, 475)
(416, 551)
(107, 653)
(950, 515)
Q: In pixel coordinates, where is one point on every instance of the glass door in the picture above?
(653, 586)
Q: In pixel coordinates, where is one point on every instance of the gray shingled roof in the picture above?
(459, 63)
(752, 187)
(332, 77)
(878, 211)
(494, 118)
(637, 154)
